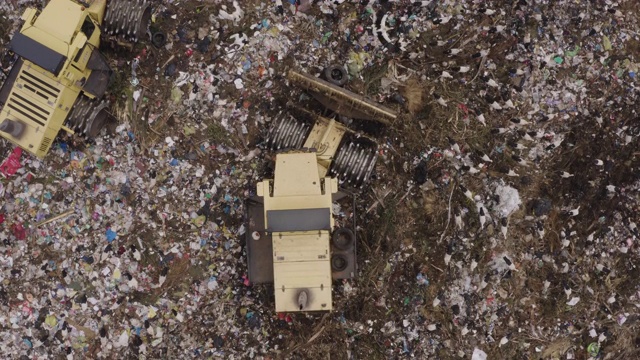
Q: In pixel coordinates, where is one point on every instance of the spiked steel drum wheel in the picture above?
(354, 163)
(127, 18)
(88, 116)
(287, 133)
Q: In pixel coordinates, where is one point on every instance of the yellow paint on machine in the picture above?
(38, 98)
(301, 259)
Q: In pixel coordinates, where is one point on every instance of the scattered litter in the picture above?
(573, 301)
(509, 200)
(422, 280)
(12, 163)
(512, 188)
(478, 355)
(593, 349)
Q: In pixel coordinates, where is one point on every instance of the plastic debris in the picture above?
(478, 355)
(512, 189)
(12, 163)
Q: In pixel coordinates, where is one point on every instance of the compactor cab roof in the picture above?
(60, 19)
(38, 53)
(48, 41)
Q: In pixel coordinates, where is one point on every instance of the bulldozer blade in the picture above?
(342, 101)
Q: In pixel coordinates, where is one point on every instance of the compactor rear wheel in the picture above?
(88, 116)
(127, 18)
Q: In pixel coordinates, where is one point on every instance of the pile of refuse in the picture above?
(500, 223)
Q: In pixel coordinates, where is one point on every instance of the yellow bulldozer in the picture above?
(59, 77)
(292, 240)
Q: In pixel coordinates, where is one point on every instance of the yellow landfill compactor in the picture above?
(292, 240)
(298, 218)
(59, 76)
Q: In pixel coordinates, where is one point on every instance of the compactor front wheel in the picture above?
(88, 116)
(127, 18)
(287, 133)
(354, 162)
